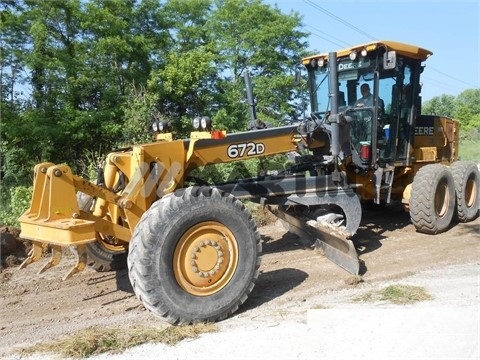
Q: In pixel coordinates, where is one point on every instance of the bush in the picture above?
(15, 205)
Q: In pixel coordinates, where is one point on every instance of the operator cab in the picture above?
(381, 130)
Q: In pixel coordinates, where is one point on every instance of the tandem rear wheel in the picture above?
(467, 189)
(440, 194)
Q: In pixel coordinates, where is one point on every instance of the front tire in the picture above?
(432, 200)
(467, 189)
(194, 256)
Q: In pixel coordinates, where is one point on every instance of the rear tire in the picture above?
(432, 200)
(102, 255)
(467, 189)
(194, 256)
(103, 259)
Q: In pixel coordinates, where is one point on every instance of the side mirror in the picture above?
(389, 60)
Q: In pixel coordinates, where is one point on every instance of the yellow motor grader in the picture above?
(192, 248)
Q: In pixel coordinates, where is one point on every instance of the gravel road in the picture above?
(301, 307)
(446, 327)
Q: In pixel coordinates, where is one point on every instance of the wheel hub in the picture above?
(205, 258)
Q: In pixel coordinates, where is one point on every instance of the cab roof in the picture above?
(408, 50)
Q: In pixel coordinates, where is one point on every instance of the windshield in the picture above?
(353, 76)
(386, 94)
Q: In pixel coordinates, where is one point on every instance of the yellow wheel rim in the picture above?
(111, 243)
(470, 192)
(205, 258)
(442, 199)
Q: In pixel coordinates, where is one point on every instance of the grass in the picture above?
(396, 294)
(96, 340)
(260, 214)
(468, 150)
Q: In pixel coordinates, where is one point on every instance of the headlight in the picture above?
(206, 123)
(160, 126)
(196, 123)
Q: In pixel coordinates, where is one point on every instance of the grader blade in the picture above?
(334, 243)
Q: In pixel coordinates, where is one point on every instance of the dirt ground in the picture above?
(293, 279)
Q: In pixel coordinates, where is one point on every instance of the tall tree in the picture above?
(213, 45)
(16, 160)
(182, 80)
(440, 105)
(93, 70)
(252, 36)
(467, 109)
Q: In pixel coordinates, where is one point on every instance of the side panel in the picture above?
(244, 145)
(435, 139)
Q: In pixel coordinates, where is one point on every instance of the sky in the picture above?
(449, 29)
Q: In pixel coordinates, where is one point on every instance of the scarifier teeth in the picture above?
(54, 260)
(34, 254)
(80, 251)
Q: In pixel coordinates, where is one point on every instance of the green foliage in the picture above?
(16, 166)
(465, 108)
(139, 111)
(97, 71)
(440, 105)
(15, 204)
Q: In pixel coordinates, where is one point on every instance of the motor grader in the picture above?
(192, 248)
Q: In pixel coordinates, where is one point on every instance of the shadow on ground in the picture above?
(273, 284)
